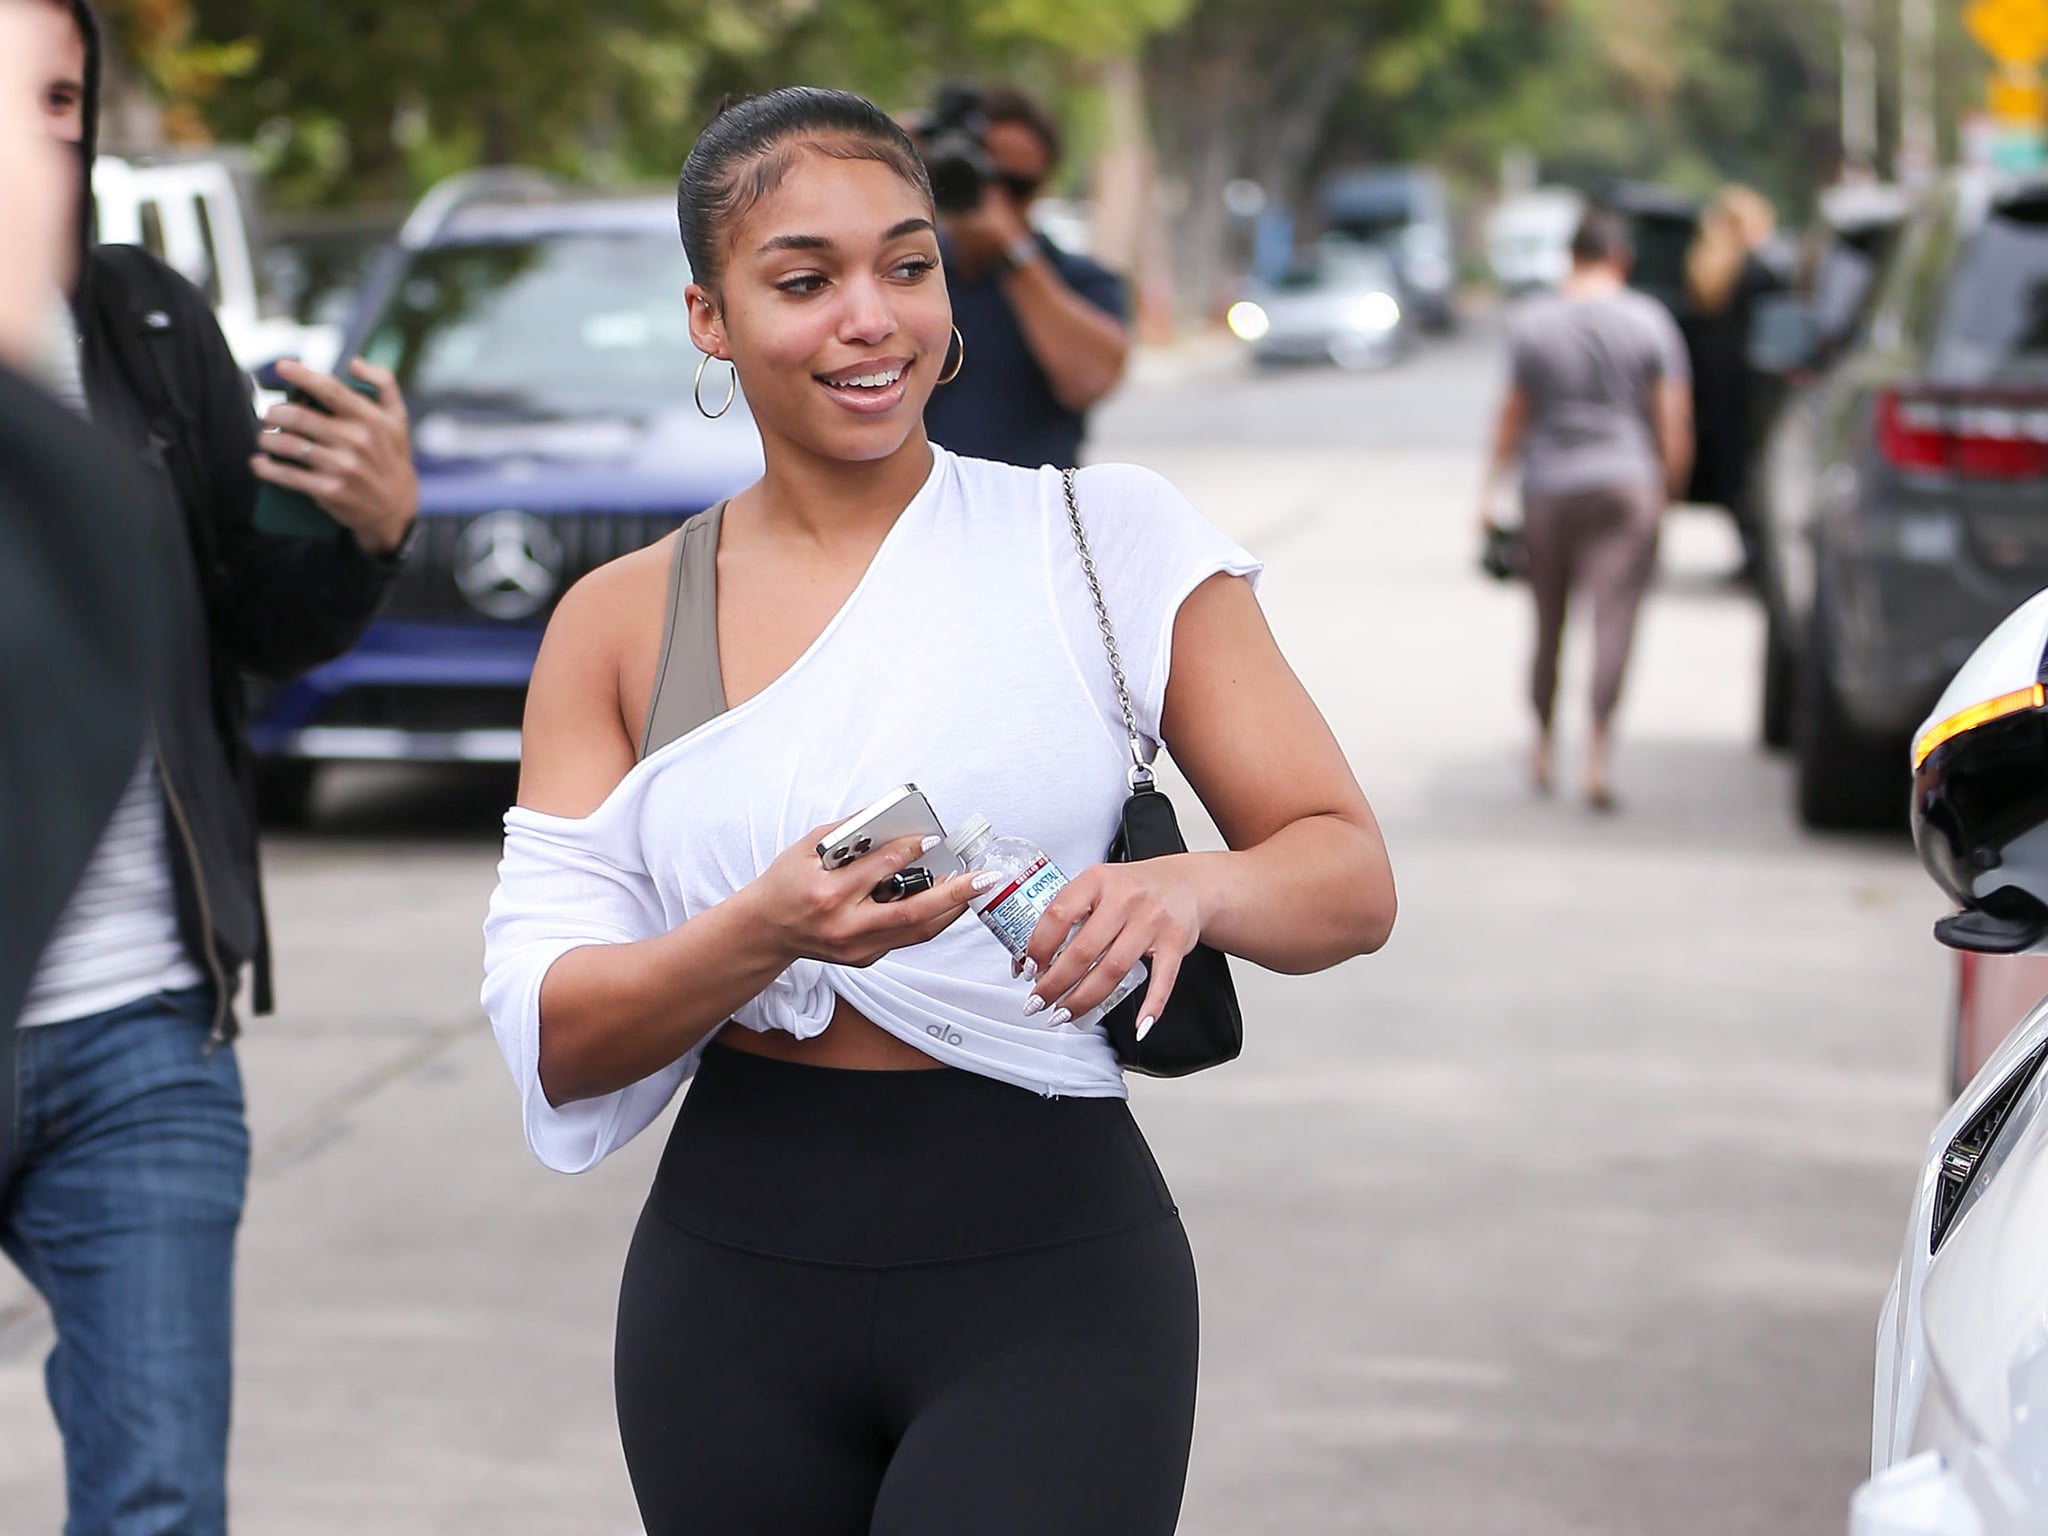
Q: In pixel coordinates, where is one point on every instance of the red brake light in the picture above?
(1980, 436)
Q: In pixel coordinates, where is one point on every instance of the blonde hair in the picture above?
(1734, 224)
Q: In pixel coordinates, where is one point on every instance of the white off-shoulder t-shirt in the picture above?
(968, 662)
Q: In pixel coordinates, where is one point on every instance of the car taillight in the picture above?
(1980, 436)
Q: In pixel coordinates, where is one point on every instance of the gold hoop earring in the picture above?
(732, 390)
(959, 360)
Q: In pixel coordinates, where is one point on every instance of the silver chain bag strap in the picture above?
(1201, 1025)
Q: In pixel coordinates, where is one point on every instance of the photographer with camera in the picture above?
(1043, 331)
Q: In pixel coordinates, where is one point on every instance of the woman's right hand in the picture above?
(830, 915)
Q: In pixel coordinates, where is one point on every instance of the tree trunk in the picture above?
(1197, 85)
(1129, 233)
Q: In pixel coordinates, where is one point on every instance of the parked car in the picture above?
(543, 344)
(1794, 339)
(1661, 226)
(1529, 238)
(1905, 512)
(1403, 210)
(1959, 1425)
(1337, 303)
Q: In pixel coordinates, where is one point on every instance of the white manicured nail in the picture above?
(1033, 1004)
(1060, 1016)
(988, 879)
(1029, 970)
(929, 844)
(1145, 1026)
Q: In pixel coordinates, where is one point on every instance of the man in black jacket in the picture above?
(124, 1189)
(77, 614)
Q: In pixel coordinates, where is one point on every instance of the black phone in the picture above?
(294, 514)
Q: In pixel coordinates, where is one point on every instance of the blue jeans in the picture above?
(119, 1200)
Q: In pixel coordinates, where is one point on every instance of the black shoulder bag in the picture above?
(1200, 1025)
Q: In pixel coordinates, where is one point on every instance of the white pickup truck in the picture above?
(190, 213)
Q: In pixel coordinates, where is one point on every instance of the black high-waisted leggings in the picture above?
(906, 1304)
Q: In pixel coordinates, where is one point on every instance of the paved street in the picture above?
(1569, 1214)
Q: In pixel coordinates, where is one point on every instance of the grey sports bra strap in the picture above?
(688, 689)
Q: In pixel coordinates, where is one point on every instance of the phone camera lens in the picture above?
(862, 848)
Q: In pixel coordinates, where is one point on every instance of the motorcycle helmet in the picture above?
(1980, 790)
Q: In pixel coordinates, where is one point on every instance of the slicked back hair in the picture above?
(749, 146)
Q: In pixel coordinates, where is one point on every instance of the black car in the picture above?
(1661, 225)
(1904, 495)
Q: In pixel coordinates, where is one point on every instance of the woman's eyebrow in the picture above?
(794, 243)
(824, 243)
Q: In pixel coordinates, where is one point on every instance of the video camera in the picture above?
(949, 135)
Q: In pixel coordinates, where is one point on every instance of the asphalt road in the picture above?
(1569, 1213)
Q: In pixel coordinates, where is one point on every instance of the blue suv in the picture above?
(543, 345)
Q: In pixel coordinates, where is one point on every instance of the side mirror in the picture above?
(1784, 334)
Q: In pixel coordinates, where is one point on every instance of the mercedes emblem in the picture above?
(508, 564)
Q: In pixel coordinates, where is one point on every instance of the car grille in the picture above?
(427, 588)
(425, 708)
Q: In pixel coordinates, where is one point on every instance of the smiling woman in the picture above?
(908, 1268)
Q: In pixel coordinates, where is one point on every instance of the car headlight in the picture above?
(1247, 321)
(1375, 311)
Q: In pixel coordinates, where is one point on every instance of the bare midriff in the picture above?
(851, 1042)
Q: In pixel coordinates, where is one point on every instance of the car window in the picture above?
(208, 279)
(1843, 286)
(1994, 313)
(151, 218)
(568, 323)
(1338, 264)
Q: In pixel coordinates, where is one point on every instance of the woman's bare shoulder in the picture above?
(577, 741)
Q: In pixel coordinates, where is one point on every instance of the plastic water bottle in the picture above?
(1012, 908)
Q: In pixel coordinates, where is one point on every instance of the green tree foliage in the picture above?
(369, 99)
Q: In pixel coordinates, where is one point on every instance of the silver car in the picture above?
(1338, 303)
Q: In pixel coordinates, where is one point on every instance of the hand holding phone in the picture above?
(902, 813)
(813, 912)
(293, 514)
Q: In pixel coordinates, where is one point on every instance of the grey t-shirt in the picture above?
(1589, 369)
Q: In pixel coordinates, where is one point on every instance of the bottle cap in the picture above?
(969, 832)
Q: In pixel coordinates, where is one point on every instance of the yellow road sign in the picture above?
(2017, 100)
(2011, 31)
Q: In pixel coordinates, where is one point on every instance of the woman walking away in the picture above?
(1599, 414)
(907, 1267)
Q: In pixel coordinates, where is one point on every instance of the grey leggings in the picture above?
(1604, 541)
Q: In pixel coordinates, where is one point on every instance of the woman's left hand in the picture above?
(1148, 911)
